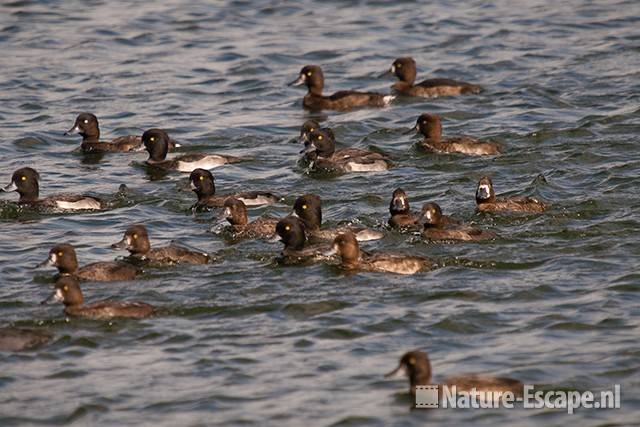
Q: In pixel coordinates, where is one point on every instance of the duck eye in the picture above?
(286, 227)
(60, 253)
(309, 73)
(311, 130)
(412, 361)
(86, 121)
(66, 288)
(153, 138)
(202, 178)
(304, 206)
(399, 65)
(135, 236)
(24, 178)
(320, 137)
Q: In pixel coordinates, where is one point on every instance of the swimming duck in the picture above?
(312, 77)
(429, 126)
(235, 211)
(25, 182)
(86, 125)
(67, 290)
(415, 366)
(322, 153)
(309, 209)
(63, 257)
(346, 247)
(203, 184)
(486, 200)
(291, 232)
(156, 142)
(401, 216)
(19, 339)
(306, 128)
(441, 227)
(405, 70)
(136, 241)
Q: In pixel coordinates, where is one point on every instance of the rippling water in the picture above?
(554, 301)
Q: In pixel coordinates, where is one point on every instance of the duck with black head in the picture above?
(202, 183)
(63, 257)
(309, 209)
(352, 258)
(291, 232)
(321, 152)
(486, 200)
(415, 366)
(86, 125)
(235, 212)
(156, 142)
(25, 182)
(312, 77)
(67, 291)
(441, 227)
(136, 241)
(405, 70)
(401, 216)
(430, 127)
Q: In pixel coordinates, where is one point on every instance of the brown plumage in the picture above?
(63, 256)
(235, 212)
(416, 367)
(405, 70)
(347, 248)
(441, 227)
(67, 290)
(312, 77)
(429, 125)
(486, 200)
(203, 184)
(19, 339)
(136, 241)
(401, 216)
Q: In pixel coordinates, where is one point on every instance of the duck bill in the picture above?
(411, 131)
(399, 372)
(297, 82)
(308, 148)
(225, 215)
(11, 187)
(330, 252)
(386, 73)
(122, 244)
(74, 129)
(46, 263)
(55, 296)
(274, 239)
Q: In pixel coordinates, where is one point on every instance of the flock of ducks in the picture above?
(302, 233)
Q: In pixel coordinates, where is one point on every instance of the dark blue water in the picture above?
(553, 301)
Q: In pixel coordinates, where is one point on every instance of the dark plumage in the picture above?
(312, 77)
(347, 248)
(405, 70)
(235, 212)
(156, 142)
(321, 151)
(309, 209)
(136, 241)
(401, 216)
(86, 125)
(486, 200)
(63, 257)
(415, 366)
(291, 232)
(203, 184)
(441, 227)
(25, 182)
(67, 290)
(19, 339)
(429, 125)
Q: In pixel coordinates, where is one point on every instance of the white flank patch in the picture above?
(209, 162)
(87, 203)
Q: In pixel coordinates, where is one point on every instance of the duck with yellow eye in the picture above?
(202, 183)
(309, 209)
(235, 212)
(86, 125)
(323, 156)
(67, 291)
(136, 241)
(156, 142)
(63, 257)
(290, 231)
(25, 182)
(312, 77)
(405, 70)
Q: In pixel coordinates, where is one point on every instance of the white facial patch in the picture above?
(59, 295)
(53, 259)
(128, 240)
(192, 185)
(227, 212)
(393, 68)
(485, 189)
(429, 215)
